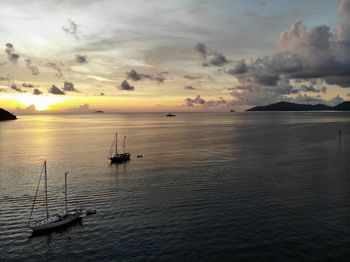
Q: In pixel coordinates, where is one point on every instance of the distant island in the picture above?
(5, 115)
(98, 111)
(287, 106)
(232, 110)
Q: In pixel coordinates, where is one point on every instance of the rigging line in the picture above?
(110, 150)
(36, 192)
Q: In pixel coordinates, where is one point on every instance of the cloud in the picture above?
(126, 86)
(190, 77)
(28, 110)
(202, 50)
(304, 54)
(31, 67)
(56, 68)
(69, 87)
(212, 58)
(198, 100)
(73, 29)
(102, 94)
(4, 78)
(12, 56)
(84, 108)
(27, 85)
(56, 91)
(239, 68)
(37, 92)
(2, 90)
(217, 59)
(312, 89)
(16, 88)
(81, 59)
(135, 76)
(190, 88)
(336, 100)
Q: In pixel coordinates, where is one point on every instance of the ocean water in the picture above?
(254, 186)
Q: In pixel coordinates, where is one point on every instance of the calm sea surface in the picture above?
(210, 187)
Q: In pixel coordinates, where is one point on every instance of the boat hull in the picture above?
(120, 158)
(58, 222)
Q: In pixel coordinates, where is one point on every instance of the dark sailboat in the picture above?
(118, 158)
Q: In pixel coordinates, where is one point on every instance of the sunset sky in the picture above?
(186, 55)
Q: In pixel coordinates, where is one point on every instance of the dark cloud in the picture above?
(56, 68)
(190, 88)
(69, 87)
(198, 100)
(16, 88)
(126, 86)
(342, 81)
(239, 68)
(212, 58)
(201, 49)
(135, 76)
(73, 29)
(190, 77)
(12, 56)
(27, 85)
(81, 59)
(31, 67)
(37, 92)
(217, 59)
(56, 91)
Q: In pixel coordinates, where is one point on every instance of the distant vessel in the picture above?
(118, 158)
(55, 221)
(98, 111)
(170, 115)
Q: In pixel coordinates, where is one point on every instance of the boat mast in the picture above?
(47, 207)
(124, 145)
(65, 191)
(116, 143)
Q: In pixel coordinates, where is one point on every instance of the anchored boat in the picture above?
(54, 221)
(118, 158)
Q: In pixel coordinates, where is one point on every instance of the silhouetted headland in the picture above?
(345, 106)
(287, 106)
(5, 115)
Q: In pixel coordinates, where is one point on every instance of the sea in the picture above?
(249, 186)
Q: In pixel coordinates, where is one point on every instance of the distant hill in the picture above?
(5, 115)
(345, 106)
(287, 106)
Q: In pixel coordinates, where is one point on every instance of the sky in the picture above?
(185, 55)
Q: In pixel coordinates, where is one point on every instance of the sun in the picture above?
(43, 102)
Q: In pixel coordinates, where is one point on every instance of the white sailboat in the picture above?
(54, 221)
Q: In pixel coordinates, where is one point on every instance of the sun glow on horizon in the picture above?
(44, 102)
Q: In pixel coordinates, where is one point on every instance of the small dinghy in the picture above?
(54, 221)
